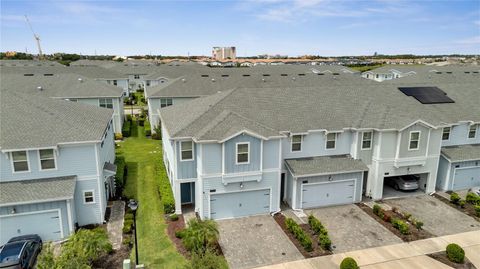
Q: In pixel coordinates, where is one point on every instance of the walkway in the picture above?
(403, 255)
(115, 224)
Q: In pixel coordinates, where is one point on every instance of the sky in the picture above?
(286, 27)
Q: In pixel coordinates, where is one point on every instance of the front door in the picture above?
(187, 192)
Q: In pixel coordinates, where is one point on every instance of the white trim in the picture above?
(371, 140)
(69, 216)
(181, 151)
(54, 161)
(28, 162)
(261, 155)
(84, 197)
(410, 140)
(100, 183)
(38, 201)
(244, 131)
(223, 158)
(460, 168)
(399, 142)
(330, 173)
(328, 182)
(335, 141)
(428, 142)
(280, 154)
(58, 210)
(236, 153)
(301, 143)
(210, 194)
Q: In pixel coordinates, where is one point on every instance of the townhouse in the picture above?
(56, 165)
(244, 151)
(72, 87)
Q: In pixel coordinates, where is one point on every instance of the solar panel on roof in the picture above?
(427, 95)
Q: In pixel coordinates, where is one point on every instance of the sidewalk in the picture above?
(115, 224)
(403, 255)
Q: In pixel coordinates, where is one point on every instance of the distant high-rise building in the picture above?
(224, 53)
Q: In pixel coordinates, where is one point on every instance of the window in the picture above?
(20, 161)
(47, 159)
(472, 131)
(331, 140)
(414, 141)
(148, 82)
(243, 150)
(297, 142)
(115, 83)
(106, 103)
(367, 140)
(186, 149)
(136, 76)
(164, 102)
(73, 99)
(88, 197)
(446, 133)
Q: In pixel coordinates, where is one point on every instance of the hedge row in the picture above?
(148, 128)
(121, 175)
(166, 193)
(321, 231)
(299, 233)
(126, 130)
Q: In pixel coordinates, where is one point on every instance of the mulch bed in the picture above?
(172, 227)
(469, 209)
(442, 257)
(113, 260)
(414, 234)
(317, 250)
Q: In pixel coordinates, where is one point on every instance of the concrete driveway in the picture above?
(255, 241)
(438, 217)
(350, 228)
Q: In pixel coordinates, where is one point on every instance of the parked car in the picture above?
(404, 183)
(20, 252)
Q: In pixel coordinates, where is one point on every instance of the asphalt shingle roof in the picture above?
(24, 191)
(324, 165)
(462, 153)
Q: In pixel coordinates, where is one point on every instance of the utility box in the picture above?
(127, 264)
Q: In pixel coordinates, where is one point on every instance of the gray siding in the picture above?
(314, 145)
(186, 169)
(442, 180)
(230, 154)
(271, 154)
(88, 213)
(459, 136)
(364, 154)
(212, 158)
(404, 152)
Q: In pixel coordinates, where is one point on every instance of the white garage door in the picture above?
(239, 204)
(44, 223)
(465, 178)
(327, 193)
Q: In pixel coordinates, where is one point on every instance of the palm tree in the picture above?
(200, 235)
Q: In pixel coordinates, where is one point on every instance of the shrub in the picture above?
(324, 241)
(118, 136)
(400, 225)
(128, 216)
(462, 203)
(141, 121)
(407, 215)
(455, 253)
(316, 225)
(477, 210)
(157, 131)
(348, 263)
(180, 234)
(173, 217)
(46, 259)
(129, 118)
(376, 209)
(148, 128)
(300, 234)
(166, 193)
(200, 235)
(120, 175)
(454, 198)
(207, 260)
(126, 130)
(418, 224)
(127, 226)
(387, 217)
(473, 198)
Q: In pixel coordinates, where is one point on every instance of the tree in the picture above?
(200, 235)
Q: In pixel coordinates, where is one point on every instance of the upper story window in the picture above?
(243, 153)
(297, 142)
(47, 159)
(20, 161)
(115, 83)
(166, 102)
(88, 197)
(446, 133)
(136, 76)
(331, 141)
(367, 140)
(472, 131)
(414, 141)
(186, 150)
(106, 102)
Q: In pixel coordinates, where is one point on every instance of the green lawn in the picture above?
(145, 165)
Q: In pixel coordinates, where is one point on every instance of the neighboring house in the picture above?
(73, 87)
(56, 160)
(244, 151)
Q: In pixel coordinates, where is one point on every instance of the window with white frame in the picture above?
(20, 161)
(115, 83)
(472, 131)
(414, 141)
(164, 102)
(186, 148)
(331, 140)
(297, 142)
(106, 102)
(446, 133)
(89, 197)
(243, 152)
(136, 76)
(148, 82)
(367, 140)
(47, 159)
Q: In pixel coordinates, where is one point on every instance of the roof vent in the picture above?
(263, 80)
(336, 74)
(183, 79)
(293, 78)
(449, 72)
(467, 72)
(204, 76)
(80, 80)
(40, 88)
(213, 80)
(266, 75)
(246, 75)
(283, 75)
(48, 75)
(28, 75)
(225, 76)
(301, 74)
(320, 74)
(475, 72)
(438, 72)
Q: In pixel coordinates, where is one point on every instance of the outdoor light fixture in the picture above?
(241, 185)
(133, 205)
(13, 211)
(330, 178)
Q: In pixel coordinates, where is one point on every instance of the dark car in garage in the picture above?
(403, 183)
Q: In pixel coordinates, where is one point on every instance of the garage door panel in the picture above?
(466, 178)
(45, 224)
(239, 204)
(328, 193)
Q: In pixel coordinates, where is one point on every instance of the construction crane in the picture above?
(37, 38)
